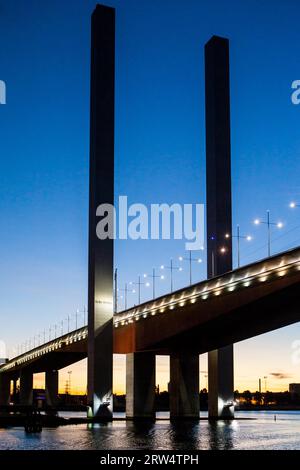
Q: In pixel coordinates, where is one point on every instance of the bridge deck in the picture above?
(237, 305)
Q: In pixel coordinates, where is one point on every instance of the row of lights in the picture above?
(54, 331)
(222, 250)
(206, 292)
(72, 338)
(21, 349)
(135, 287)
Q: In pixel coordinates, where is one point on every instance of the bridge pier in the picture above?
(218, 200)
(220, 383)
(26, 387)
(51, 387)
(140, 385)
(184, 386)
(4, 389)
(100, 279)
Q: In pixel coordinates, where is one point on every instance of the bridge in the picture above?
(203, 317)
(210, 316)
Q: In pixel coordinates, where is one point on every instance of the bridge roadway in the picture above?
(240, 304)
(246, 302)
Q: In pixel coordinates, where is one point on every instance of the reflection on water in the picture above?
(262, 432)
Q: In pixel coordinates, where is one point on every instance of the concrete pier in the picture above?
(218, 199)
(4, 389)
(184, 386)
(51, 387)
(100, 279)
(26, 387)
(220, 383)
(140, 385)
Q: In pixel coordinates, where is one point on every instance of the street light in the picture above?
(116, 291)
(85, 311)
(126, 290)
(139, 284)
(190, 259)
(171, 268)
(69, 373)
(238, 236)
(221, 249)
(269, 224)
(293, 205)
(154, 276)
(265, 378)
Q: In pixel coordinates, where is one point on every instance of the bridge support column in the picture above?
(184, 386)
(100, 283)
(26, 387)
(14, 393)
(51, 385)
(220, 383)
(4, 389)
(140, 385)
(218, 197)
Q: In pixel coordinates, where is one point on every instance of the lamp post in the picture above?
(239, 237)
(154, 276)
(190, 259)
(171, 268)
(69, 373)
(265, 379)
(116, 290)
(68, 322)
(269, 224)
(139, 284)
(84, 315)
(221, 249)
(293, 205)
(126, 290)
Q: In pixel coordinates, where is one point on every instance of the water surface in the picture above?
(263, 432)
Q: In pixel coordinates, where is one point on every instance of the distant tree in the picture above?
(258, 397)
(269, 398)
(247, 395)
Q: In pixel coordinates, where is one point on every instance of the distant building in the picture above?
(294, 390)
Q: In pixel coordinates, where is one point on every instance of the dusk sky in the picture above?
(160, 153)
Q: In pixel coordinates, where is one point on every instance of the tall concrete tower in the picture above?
(219, 212)
(100, 279)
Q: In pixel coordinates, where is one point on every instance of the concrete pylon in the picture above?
(26, 387)
(4, 389)
(51, 387)
(184, 386)
(100, 282)
(219, 216)
(140, 385)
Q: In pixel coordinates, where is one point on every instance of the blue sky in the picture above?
(160, 139)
